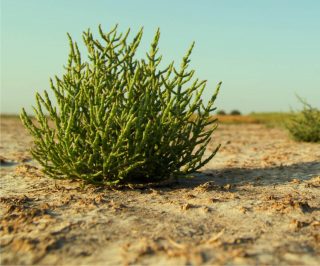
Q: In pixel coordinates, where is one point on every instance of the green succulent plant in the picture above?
(305, 125)
(121, 120)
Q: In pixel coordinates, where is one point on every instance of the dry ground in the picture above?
(257, 202)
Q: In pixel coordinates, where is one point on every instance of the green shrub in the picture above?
(221, 112)
(121, 120)
(305, 125)
(235, 112)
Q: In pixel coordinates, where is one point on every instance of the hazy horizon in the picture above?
(264, 52)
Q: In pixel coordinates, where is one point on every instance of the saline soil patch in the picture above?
(257, 202)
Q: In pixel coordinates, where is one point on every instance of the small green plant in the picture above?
(121, 120)
(235, 112)
(305, 125)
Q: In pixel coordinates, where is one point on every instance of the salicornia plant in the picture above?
(121, 120)
(305, 125)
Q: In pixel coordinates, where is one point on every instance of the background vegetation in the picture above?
(305, 126)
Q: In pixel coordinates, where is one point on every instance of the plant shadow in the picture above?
(268, 176)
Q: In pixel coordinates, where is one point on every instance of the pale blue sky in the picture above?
(264, 51)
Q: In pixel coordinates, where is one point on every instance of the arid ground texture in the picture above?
(256, 202)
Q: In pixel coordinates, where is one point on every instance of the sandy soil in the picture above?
(256, 202)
